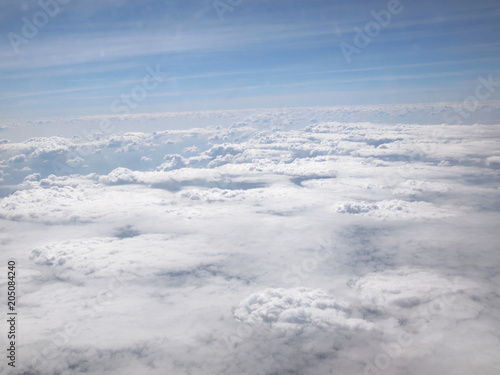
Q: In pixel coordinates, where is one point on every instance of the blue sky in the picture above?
(262, 54)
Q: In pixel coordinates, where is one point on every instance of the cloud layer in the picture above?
(255, 245)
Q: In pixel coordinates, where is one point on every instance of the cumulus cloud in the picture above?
(293, 308)
(392, 209)
(119, 176)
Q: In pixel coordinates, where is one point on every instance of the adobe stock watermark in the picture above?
(119, 106)
(243, 332)
(222, 7)
(483, 91)
(302, 271)
(280, 119)
(372, 29)
(40, 19)
(86, 313)
(421, 152)
(295, 276)
(390, 352)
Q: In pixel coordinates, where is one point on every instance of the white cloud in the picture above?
(119, 176)
(295, 308)
(493, 160)
(392, 209)
(306, 248)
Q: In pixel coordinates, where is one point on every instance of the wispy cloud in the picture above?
(261, 46)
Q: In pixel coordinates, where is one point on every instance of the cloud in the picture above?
(119, 176)
(293, 308)
(248, 247)
(493, 160)
(392, 210)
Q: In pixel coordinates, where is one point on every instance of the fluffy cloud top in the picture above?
(302, 244)
(292, 308)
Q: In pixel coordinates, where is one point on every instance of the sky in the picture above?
(88, 57)
(250, 187)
